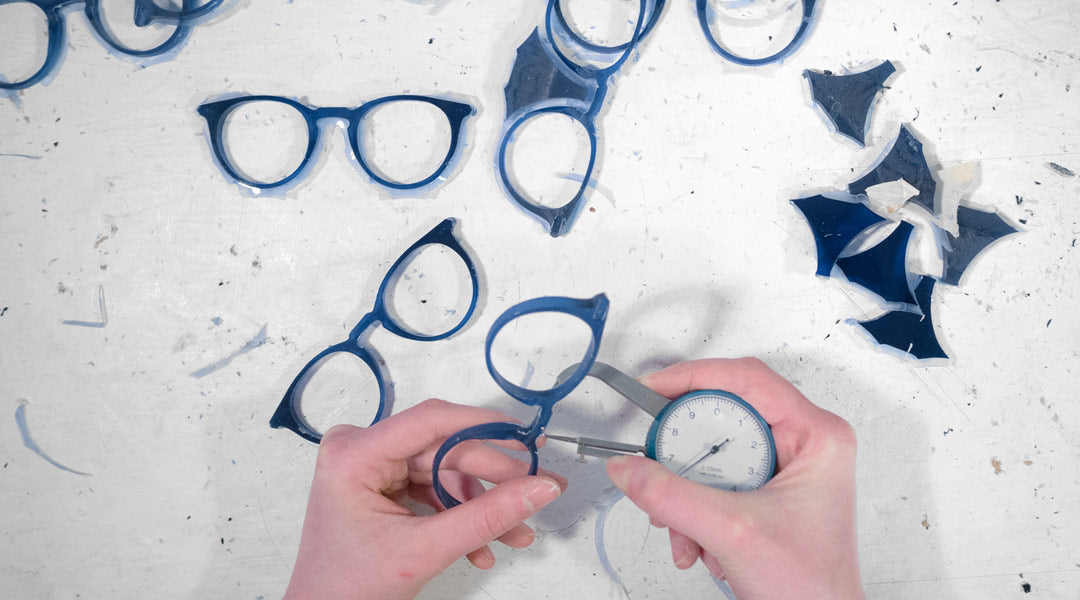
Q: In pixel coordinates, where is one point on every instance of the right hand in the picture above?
(792, 538)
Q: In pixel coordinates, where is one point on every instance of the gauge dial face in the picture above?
(715, 438)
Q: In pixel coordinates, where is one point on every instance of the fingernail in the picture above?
(541, 493)
(617, 470)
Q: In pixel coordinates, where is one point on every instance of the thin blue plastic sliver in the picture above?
(978, 229)
(909, 332)
(536, 77)
(848, 99)
(835, 223)
(883, 268)
(906, 160)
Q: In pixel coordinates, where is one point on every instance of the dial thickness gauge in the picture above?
(715, 438)
(709, 436)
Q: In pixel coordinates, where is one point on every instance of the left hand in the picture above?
(360, 542)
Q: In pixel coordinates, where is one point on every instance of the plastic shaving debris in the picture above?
(101, 307)
(28, 440)
(253, 343)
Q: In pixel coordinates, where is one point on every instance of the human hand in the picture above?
(792, 538)
(359, 541)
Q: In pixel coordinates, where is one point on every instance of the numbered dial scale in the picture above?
(709, 436)
(715, 438)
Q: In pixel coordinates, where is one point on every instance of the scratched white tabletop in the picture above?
(165, 479)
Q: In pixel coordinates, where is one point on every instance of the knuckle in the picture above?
(434, 403)
(841, 436)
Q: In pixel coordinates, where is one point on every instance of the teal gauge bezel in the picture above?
(650, 441)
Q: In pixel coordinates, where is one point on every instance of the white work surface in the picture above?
(968, 476)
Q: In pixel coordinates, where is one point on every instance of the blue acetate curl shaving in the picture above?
(834, 223)
(545, 81)
(216, 114)
(593, 312)
(905, 160)
(56, 11)
(977, 230)
(706, 15)
(883, 268)
(912, 333)
(32, 445)
(289, 414)
(847, 99)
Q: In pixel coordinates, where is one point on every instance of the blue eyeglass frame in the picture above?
(288, 414)
(593, 311)
(216, 114)
(57, 10)
(148, 11)
(559, 220)
(703, 13)
(704, 10)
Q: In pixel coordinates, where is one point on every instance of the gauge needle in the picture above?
(709, 452)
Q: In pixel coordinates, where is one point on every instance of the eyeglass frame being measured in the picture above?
(56, 12)
(216, 113)
(288, 414)
(593, 311)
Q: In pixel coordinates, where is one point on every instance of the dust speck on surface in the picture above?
(926, 522)
(996, 463)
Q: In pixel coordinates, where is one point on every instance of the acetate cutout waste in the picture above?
(847, 98)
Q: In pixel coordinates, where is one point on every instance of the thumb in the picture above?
(698, 511)
(481, 520)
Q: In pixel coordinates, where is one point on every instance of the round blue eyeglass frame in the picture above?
(148, 11)
(593, 311)
(559, 220)
(216, 114)
(56, 11)
(289, 414)
(704, 11)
